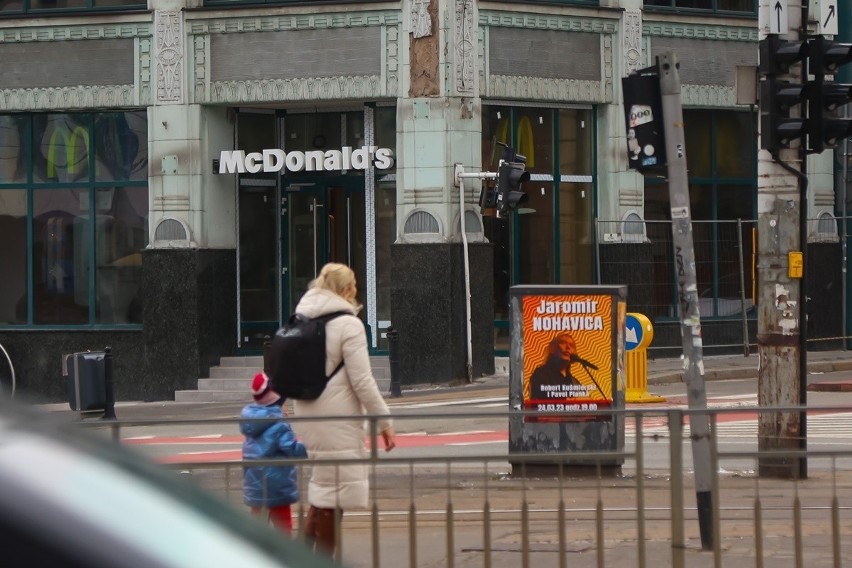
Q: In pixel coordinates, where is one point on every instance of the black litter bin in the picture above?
(86, 374)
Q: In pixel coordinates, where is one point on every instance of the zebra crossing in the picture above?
(836, 426)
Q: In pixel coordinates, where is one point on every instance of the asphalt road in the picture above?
(473, 423)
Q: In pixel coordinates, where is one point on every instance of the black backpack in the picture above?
(297, 357)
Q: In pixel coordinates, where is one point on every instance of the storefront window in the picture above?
(81, 262)
(42, 6)
(547, 240)
(742, 6)
(13, 234)
(721, 155)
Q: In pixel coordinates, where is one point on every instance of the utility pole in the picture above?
(781, 211)
(690, 317)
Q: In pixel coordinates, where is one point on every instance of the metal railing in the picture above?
(477, 505)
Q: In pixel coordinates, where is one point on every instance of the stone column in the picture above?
(189, 267)
(439, 124)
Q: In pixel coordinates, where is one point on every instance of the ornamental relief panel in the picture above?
(82, 97)
(274, 90)
(85, 96)
(277, 89)
(709, 95)
(502, 86)
(169, 56)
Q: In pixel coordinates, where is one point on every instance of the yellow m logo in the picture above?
(526, 141)
(69, 142)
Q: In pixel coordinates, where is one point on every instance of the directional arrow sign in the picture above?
(828, 17)
(778, 20)
(638, 331)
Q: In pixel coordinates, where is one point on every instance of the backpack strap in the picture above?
(325, 319)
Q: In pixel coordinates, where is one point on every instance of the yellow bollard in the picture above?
(638, 335)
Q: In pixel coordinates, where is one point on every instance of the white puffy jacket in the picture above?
(351, 392)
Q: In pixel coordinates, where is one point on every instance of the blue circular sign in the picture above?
(638, 331)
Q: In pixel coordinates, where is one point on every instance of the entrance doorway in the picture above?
(292, 222)
(322, 220)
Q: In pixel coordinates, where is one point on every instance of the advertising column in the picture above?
(567, 365)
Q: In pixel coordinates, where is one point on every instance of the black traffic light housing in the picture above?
(825, 128)
(511, 173)
(488, 196)
(779, 128)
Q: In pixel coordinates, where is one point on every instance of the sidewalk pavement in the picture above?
(661, 371)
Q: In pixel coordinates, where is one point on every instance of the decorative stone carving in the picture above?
(465, 47)
(168, 53)
(421, 22)
(84, 97)
(547, 89)
(632, 41)
(299, 89)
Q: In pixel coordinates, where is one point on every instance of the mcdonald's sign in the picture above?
(69, 143)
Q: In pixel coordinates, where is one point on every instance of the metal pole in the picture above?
(746, 349)
(690, 317)
(109, 406)
(393, 358)
(466, 262)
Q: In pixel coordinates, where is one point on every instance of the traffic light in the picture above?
(488, 196)
(825, 128)
(779, 128)
(510, 176)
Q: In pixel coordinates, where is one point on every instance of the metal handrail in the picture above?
(11, 368)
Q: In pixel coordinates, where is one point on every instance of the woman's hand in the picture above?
(389, 436)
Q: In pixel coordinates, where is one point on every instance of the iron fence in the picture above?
(479, 505)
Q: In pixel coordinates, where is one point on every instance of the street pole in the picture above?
(690, 317)
(781, 229)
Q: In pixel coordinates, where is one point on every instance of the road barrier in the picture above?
(448, 505)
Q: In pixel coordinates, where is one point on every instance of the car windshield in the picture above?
(69, 483)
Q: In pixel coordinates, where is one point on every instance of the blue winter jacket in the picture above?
(269, 486)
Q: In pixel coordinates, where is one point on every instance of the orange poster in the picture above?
(568, 352)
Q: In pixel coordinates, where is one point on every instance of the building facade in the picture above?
(173, 174)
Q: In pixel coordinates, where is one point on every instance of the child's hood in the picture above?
(256, 411)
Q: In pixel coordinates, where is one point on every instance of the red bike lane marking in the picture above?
(402, 441)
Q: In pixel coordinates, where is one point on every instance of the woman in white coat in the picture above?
(352, 391)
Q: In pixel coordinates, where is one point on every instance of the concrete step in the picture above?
(230, 381)
(255, 361)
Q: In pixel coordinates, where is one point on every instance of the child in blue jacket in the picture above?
(272, 487)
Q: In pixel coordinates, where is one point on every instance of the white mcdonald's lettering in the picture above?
(275, 160)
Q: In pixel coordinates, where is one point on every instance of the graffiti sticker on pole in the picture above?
(568, 352)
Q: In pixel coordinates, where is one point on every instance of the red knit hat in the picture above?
(262, 391)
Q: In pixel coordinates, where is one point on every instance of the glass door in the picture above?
(322, 221)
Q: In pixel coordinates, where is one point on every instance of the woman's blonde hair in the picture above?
(335, 277)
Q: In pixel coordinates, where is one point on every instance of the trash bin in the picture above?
(86, 373)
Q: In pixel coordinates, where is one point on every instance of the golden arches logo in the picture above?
(526, 139)
(69, 140)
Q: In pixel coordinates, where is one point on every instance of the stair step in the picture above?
(231, 379)
(212, 396)
(247, 361)
(229, 372)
